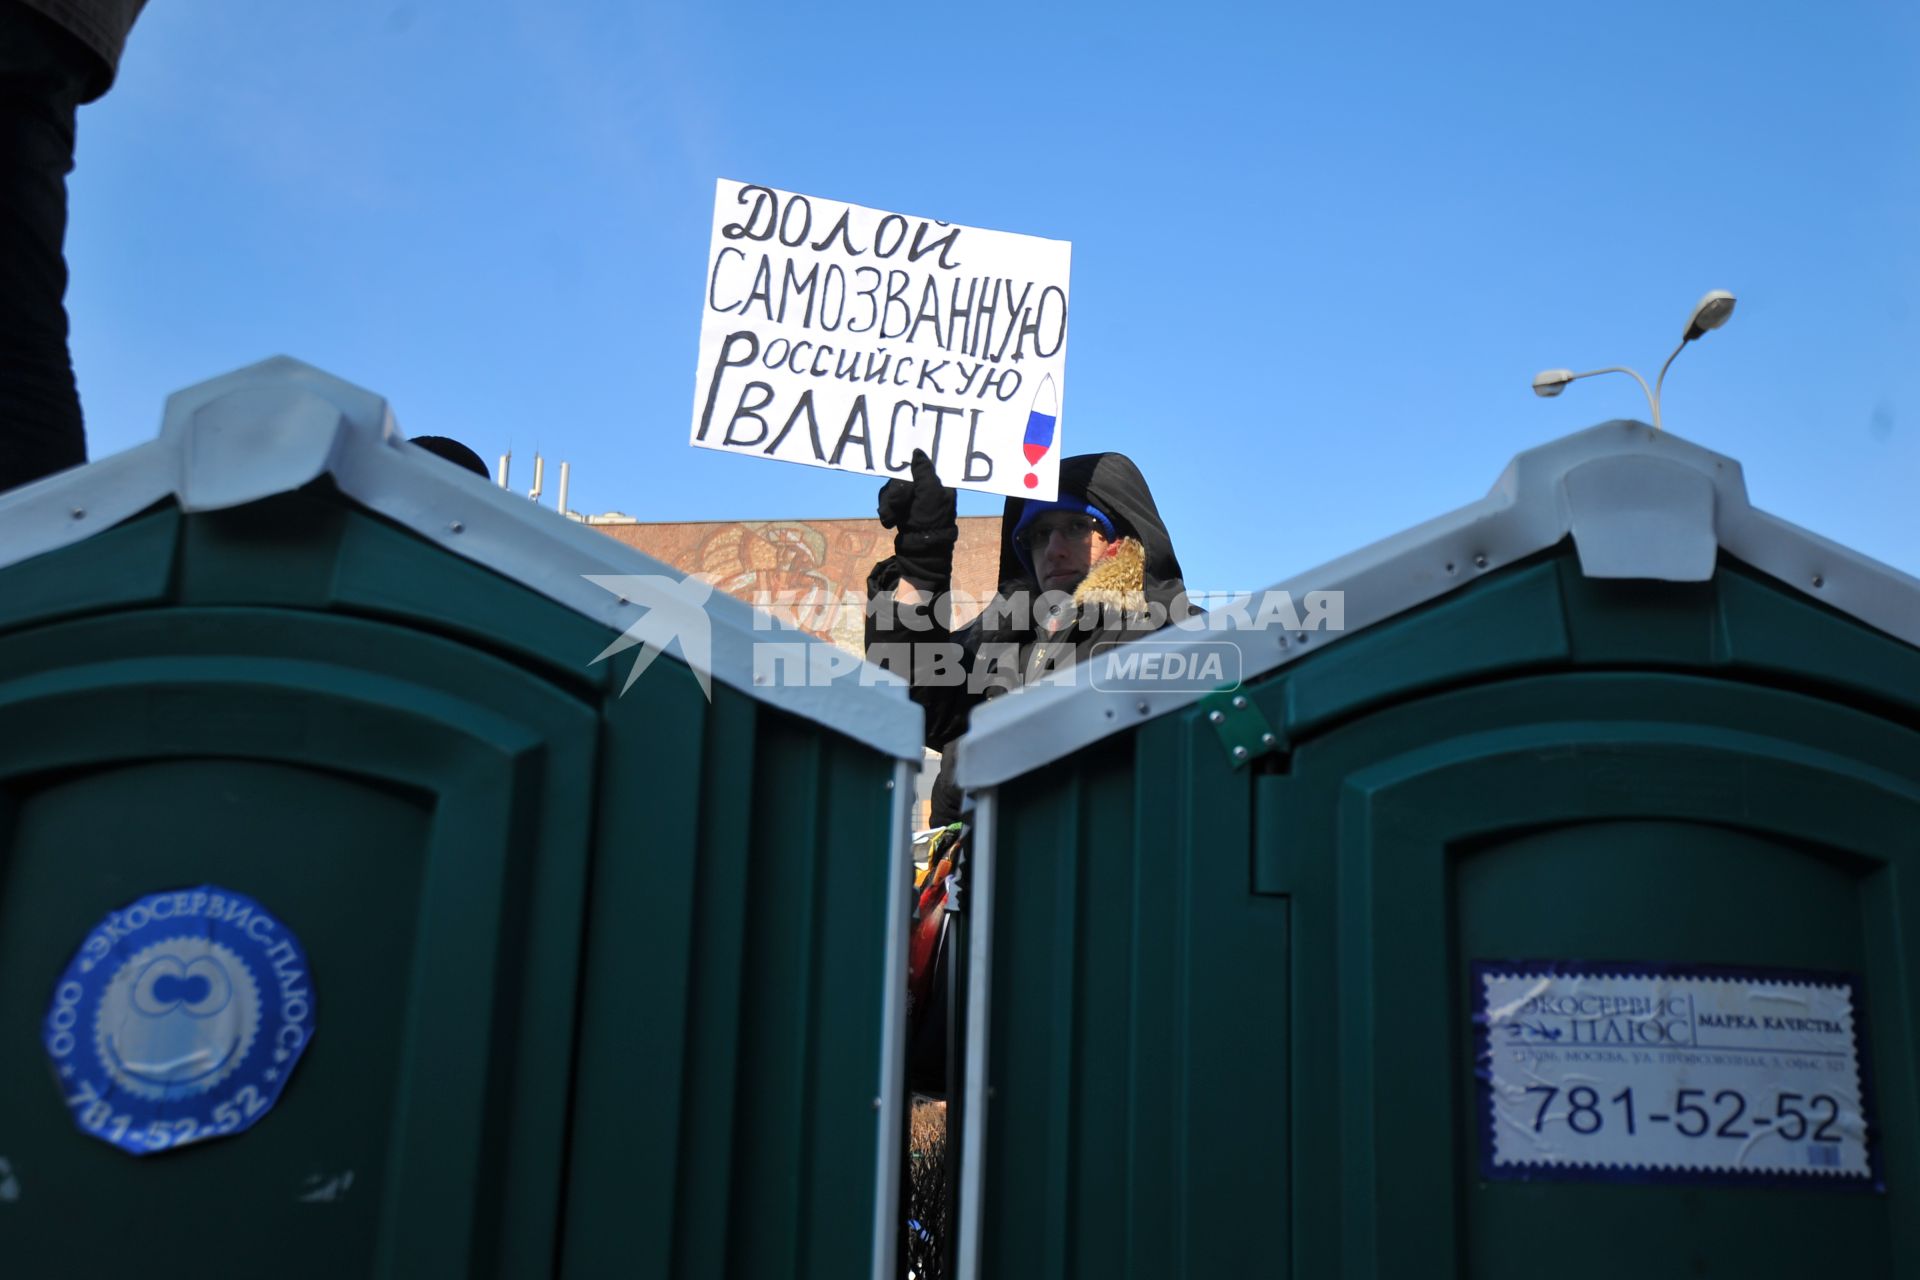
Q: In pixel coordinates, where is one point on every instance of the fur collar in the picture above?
(1117, 581)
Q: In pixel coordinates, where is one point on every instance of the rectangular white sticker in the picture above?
(1672, 1073)
(840, 336)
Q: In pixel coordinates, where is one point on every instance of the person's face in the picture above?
(1063, 545)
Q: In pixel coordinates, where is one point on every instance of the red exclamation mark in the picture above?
(1040, 423)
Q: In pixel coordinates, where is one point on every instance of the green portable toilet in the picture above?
(1542, 901)
(376, 898)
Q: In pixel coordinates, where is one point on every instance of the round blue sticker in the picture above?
(179, 1019)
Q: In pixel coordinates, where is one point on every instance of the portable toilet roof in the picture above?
(281, 424)
(1638, 504)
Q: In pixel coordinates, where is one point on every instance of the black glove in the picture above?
(921, 511)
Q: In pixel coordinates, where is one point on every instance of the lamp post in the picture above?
(1708, 314)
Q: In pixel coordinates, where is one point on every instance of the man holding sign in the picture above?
(1094, 566)
(834, 335)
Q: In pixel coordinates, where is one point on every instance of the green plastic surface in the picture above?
(1231, 1024)
(597, 978)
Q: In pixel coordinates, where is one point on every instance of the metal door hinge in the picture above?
(1243, 731)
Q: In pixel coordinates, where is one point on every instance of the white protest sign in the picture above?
(840, 336)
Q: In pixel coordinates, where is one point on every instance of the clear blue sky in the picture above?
(1318, 250)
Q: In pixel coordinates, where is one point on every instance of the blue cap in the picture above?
(1066, 502)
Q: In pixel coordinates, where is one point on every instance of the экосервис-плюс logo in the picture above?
(179, 1019)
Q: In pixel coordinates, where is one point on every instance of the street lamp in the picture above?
(1709, 314)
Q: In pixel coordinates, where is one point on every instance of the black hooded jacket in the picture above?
(1004, 648)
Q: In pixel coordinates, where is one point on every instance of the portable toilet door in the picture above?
(1553, 912)
(366, 910)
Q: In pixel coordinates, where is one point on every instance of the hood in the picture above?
(1113, 483)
